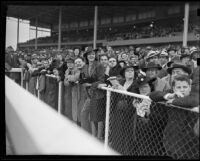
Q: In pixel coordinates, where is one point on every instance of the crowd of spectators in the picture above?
(152, 71)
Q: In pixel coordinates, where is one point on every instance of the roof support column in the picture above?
(186, 20)
(17, 33)
(95, 26)
(59, 28)
(36, 24)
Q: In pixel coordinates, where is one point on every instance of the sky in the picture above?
(25, 33)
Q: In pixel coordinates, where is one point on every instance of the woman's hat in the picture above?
(89, 49)
(151, 65)
(126, 67)
(179, 65)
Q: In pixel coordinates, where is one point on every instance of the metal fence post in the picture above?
(22, 78)
(60, 97)
(27, 86)
(108, 93)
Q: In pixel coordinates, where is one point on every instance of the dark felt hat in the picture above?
(179, 65)
(184, 55)
(90, 49)
(151, 65)
(126, 67)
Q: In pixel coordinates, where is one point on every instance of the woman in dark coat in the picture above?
(149, 122)
(92, 76)
(121, 112)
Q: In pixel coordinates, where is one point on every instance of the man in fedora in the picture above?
(152, 56)
(193, 99)
(176, 68)
(164, 59)
(152, 70)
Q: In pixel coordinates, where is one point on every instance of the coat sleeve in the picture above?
(187, 102)
(41, 83)
(157, 96)
(100, 76)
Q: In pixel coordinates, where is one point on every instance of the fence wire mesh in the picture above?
(136, 126)
(142, 128)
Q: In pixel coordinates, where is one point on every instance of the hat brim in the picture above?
(123, 70)
(144, 69)
(85, 54)
(184, 56)
(186, 69)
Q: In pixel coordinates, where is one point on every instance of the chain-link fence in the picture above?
(141, 127)
(134, 125)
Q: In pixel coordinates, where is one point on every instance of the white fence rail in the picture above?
(35, 128)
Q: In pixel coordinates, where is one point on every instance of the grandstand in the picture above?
(52, 112)
(146, 23)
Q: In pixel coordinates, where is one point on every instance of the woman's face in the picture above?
(91, 56)
(129, 73)
(112, 62)
(145, 89)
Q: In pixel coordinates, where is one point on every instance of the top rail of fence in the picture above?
(194, 109)
(15, 70)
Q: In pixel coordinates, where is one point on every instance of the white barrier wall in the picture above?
(35, 128)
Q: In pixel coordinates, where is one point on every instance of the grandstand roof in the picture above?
(48, 14)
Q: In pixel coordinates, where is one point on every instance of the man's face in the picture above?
(124, 56)
(104, 61)
(129, 73)
(152, 72)
(76, 52)
(34, 60)
(163, 60)
(112, 62)
(134, 60)
(154, 59)
(187, 51)
(196, 55)
(178, 71)
(182, 87)
(70, 65)
(172, 53)
(145, 89)
(45, 63)
(186, 60)
(59, 57)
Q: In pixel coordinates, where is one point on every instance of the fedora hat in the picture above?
(179, 65)
(151, 65)
(152, 54)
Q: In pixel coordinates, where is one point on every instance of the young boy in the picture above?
(178, 138)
